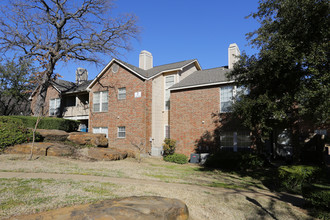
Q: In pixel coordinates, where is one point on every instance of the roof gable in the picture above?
(146, 74)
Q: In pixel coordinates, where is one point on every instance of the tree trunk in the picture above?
(34, 136)
(295, 132)
(39, 108)
(256, 140)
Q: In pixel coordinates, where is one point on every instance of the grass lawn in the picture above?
(208, 194)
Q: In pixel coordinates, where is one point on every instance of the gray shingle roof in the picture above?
(63, 85)
(80, 88)
(70, 87)
(203, 78)
(157, 69)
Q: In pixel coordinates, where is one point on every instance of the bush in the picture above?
(13, 131)
(291, 178)
(169, 146)
(49, 123)
(317, 197)
(234, 161)
(176, 158)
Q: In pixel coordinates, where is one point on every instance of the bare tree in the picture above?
(53, 31)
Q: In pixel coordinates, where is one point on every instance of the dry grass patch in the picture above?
(208, 194)
(34, 195)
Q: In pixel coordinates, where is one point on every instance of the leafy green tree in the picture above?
(15, 87)
(289, 77)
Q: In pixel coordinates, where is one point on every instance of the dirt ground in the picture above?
(208, 194)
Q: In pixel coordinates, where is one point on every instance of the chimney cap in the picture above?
(145, 60)
(145, 51)
(233, 53)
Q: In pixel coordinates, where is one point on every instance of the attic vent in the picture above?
(114, 68)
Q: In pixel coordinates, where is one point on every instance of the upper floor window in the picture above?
(169, 81)
(122, 93)
(100, 101)
(228, 94)
(226, 98)
(54, 107)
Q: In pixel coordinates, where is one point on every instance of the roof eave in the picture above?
(202, 85)
(176, 69)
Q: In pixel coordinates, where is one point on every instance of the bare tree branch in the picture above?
(52, 31)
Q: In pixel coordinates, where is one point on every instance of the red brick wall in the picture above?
(189, 109)
(52, 93)
(133, 113)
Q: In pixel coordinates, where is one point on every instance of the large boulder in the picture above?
(41, 148)
(53, 135)
(106, 154)
(83, 138)
(138, 208)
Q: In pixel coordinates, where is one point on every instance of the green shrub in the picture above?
(234, 161)
(176, 158)
(49, 123)
(291, 178)
(169, 146)
(317, 197)
(13, 131)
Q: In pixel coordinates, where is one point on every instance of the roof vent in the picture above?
(145, 60)
(81, 75)
(233, 53)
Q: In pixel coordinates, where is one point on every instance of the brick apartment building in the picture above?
(138, 107)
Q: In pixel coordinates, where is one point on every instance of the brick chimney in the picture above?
(233, 51)
(145, 60)
(81, 75)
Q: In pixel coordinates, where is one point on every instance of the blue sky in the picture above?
(176, 30)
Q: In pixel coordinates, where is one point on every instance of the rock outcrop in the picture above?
(83, 138)
(41, 148)
(53, 135)
(138, 208)
(106, 154)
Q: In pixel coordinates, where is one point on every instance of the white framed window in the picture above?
(169, 81)
(235, 140)
(101, 130)
(122, 93)
(167, 131)
(226, 98)
(54, 106)
(121, 132)
(100, 101)
(229, 94)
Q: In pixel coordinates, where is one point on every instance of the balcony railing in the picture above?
(74, 111)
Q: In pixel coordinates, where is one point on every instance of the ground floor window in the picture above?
(121, 132)
(236, 140)
(167, 131)
(101, 130)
